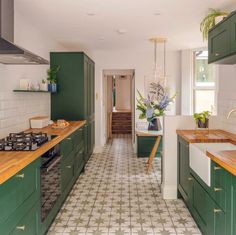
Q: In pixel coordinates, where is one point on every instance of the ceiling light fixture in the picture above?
(121, 31)
(91, 13)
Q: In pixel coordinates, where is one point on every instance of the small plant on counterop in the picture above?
(202, 119)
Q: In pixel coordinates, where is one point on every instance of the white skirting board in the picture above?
(169, 191)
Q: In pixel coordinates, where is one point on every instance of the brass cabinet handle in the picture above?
(217, 210)
(22, 228)
(68, 138)
(190, 178)
(217, 54)
(21, 176)
(217, 168)
(218, 189)
(69, 167)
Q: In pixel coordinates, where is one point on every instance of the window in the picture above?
(204, 83)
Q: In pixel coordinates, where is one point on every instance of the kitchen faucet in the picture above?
(231, 112)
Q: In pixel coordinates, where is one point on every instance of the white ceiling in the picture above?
(69, 23)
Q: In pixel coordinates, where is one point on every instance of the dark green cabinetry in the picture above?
(212, 207)
(184, 177)
(19, 202)
(222, 41)
(76, 93)
(145, 145)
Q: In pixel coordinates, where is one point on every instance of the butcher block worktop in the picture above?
(11, 162)
(227, 158)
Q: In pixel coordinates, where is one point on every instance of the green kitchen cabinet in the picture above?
(219, 42)
(233, 33)
(145, 145)
(19, 195)
(185, 183)
(76, 92)
(222, 41)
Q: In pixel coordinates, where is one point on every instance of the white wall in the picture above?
(123, 93)
(227, 96)
(142, 63)
(15, 108)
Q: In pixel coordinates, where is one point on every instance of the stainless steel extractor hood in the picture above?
(9, 52)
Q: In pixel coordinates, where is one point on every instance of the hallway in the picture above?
(114, 196)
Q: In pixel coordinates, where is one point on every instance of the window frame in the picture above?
(202, 88)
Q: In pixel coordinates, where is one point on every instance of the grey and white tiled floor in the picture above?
(116, 197)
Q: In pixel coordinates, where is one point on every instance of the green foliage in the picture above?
(203, 116)
(151, 109)
(52, 74)
(209, 21)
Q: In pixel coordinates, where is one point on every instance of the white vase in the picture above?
(43, 86)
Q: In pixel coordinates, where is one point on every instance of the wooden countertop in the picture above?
(226, 159)
(202, 137)
(12, 162)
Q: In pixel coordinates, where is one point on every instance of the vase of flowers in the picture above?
(151, 109)
(52, 79)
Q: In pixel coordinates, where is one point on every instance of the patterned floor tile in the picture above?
(116, 197)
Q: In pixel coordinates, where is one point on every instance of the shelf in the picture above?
(31, 91)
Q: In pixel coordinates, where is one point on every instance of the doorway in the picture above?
(119, 102)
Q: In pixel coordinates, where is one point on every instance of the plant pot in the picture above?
(52, 87)
(155, 125)
(218, 19)
(44, 87)
(202, 125)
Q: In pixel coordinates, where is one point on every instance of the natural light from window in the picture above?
(204, 83)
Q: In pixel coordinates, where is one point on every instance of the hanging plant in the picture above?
(210, 21)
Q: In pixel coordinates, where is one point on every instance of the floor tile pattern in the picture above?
(116, 197)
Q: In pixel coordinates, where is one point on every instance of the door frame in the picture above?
(116, 72)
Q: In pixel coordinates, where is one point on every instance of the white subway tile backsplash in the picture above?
(17, 108)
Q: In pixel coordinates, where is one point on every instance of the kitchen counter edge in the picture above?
(13, 162)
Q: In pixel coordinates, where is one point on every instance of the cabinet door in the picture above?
(219, 41)
(233, 33)
(184, 177)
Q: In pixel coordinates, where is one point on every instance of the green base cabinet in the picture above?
(145, 145)
(184, 178)
(75, 98)
(19, 202)
(213, 208)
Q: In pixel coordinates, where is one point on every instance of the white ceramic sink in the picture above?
(200, 163)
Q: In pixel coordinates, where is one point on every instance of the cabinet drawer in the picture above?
(28, 224)
(17, 189)
(77, 137)
(67, 168)
(218, 185)
(66, 146)
(79, 161)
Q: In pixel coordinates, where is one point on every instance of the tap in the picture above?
(231, 112)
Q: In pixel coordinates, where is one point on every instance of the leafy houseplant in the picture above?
(210, 21)
(52, 78)
(202, 119)
(152, 109)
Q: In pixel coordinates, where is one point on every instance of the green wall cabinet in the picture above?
(76, 92)
(222, 41)
(145, 145)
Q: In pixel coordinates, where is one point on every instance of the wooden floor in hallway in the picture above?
(116, 197)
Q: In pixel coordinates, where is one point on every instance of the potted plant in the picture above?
(52, 78)
(44, 85)
(202, 119)
(152, 109)
(214, 16)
